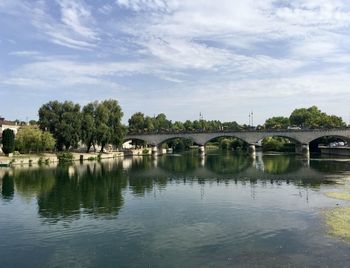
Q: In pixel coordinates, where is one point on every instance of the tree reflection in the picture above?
(280, 164)
(330, 166)
(69, 191)
(8, 188)
(178, 164)
(35, 182)
(228, 163)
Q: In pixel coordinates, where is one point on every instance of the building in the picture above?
(5, 124)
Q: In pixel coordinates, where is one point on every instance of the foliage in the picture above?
(179, 144)
(88, 125)
(139, 123)
(109, 129)
(97, 123)
(277, 122)
(277, 144)
(63, 120)
(8, 141)
(313, 118)
(65, 156)
(32, 139)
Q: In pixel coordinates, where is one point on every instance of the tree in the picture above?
(8, 141)
(162, 123)
(31, 139)
(109, 129)
(177, 126)
(188, 125)
(277, 122)
(63, 120)
(314, 118)
(137, 122)
(118, 131)
(149, 124)
(88, 125)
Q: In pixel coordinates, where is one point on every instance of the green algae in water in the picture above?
(339, 195)
(338, 220)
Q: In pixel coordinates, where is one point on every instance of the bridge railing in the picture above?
(172, 132)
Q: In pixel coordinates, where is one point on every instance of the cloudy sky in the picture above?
(223, 58)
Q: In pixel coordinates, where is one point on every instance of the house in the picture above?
(5, 124)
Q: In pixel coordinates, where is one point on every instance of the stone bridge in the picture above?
(302, 138)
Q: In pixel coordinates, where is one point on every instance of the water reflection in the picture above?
(280, 164)
(8, 189)
(96, 189)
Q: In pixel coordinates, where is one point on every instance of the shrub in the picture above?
(65, 157)
(8, 141)
(145, 151)
(31, 139)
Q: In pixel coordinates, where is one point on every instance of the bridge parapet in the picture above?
(250, 137)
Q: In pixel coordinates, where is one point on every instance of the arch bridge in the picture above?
(302, 137)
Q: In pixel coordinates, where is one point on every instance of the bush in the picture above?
(8, 141)
(65, 157)
(145, 151)
(31, 139)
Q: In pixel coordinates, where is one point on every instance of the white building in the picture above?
(5, 124)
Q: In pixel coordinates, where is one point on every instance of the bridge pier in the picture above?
(201, 150)
(303, 149)
(155, 150)
(252, 150)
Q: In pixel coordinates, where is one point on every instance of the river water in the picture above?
(180, 210)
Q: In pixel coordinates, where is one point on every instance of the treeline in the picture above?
(139, 123)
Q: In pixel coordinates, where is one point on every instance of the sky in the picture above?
(222, 58)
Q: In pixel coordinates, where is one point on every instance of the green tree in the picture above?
(8, 141)
(277, 122)
(149, 124)
(137, 122)
(63, 120)
(32, 139)
(188, 125)
(162, 124)
(88, 125)
(177, 126)
(109, 129)
(314, 118)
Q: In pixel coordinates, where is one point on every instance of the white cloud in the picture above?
(25, 53)
(220, 51)
(74, 28)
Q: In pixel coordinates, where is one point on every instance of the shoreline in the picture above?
(49, 158)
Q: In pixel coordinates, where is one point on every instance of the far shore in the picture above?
(48, 158)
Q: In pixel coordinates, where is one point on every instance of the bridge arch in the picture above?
(225, 135)
(337, 136)
(178, 143)
(237, 143)
(263, 136)
(135, 141)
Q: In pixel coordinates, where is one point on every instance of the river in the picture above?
(180, 210)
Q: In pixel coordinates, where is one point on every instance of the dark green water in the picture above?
(175, 211)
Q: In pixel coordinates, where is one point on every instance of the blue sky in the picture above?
(222, 58)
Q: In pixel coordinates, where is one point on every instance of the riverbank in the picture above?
(48, 158)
